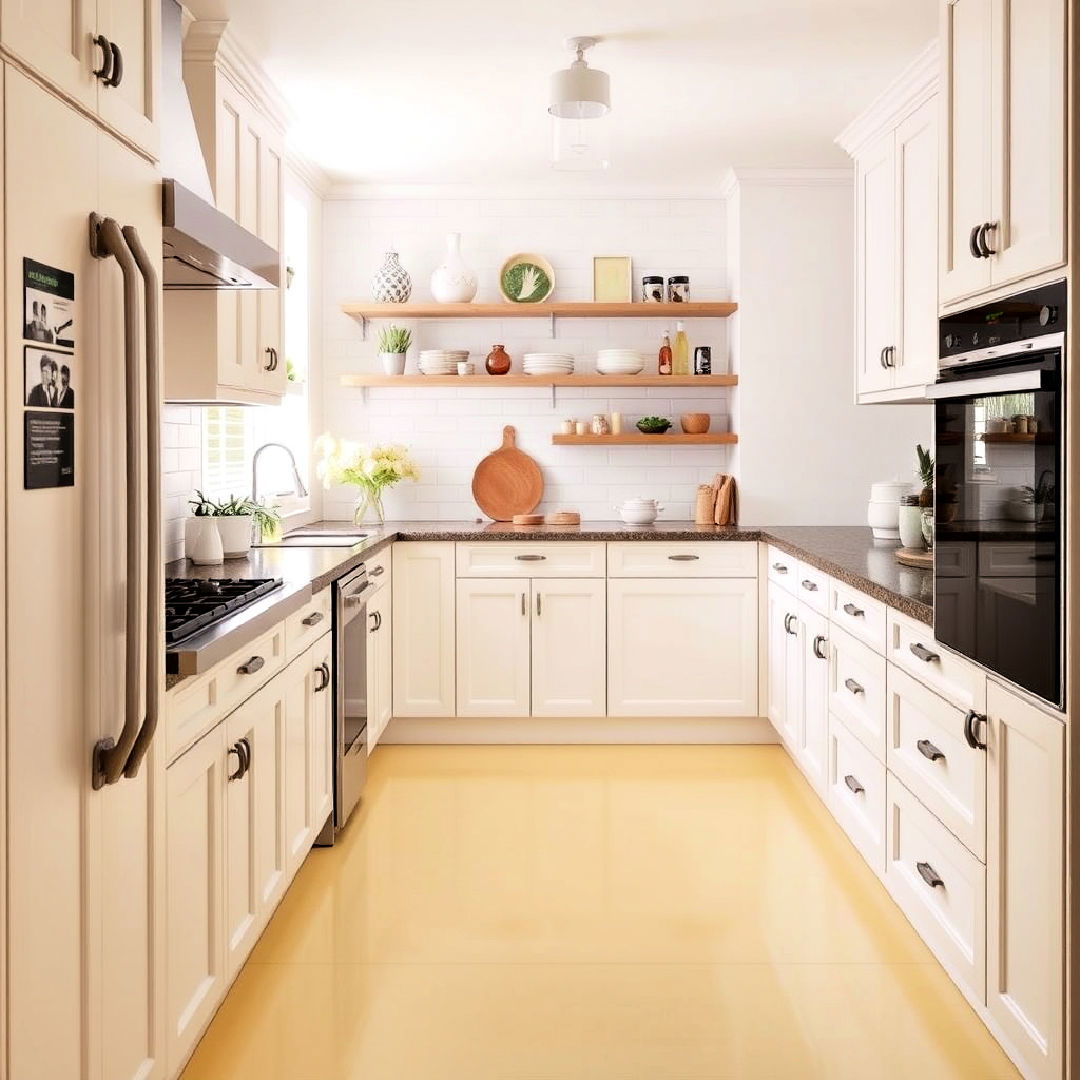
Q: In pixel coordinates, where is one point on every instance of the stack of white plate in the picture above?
(441, 361)
(619, 362)
(548, 363)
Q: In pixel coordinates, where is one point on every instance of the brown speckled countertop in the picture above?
(848, 553)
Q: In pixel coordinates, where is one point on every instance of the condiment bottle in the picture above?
(664, 360)
(681, 362)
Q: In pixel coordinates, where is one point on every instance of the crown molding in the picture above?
(307, 172)
(736, 178)
(911, 89)
(347, 190)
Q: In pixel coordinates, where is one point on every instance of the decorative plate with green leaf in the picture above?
(526, 279)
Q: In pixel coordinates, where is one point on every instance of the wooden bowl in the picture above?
(695, 423)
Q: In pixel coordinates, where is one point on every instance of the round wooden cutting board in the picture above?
(508, 481)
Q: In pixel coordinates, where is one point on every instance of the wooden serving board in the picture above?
(507, 481)
(916, 557)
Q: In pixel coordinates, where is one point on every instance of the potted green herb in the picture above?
(394, 342)
(234, 519)
(203, 538)
(926, 475)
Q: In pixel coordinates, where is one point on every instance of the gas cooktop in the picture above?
(193, 604)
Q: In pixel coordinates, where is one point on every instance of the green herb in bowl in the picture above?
(653, 425)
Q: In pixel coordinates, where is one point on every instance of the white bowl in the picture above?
(638, 515)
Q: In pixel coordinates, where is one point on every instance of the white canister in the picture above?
(235, 532)
(883, 512)
(206, 549)
(910, 523)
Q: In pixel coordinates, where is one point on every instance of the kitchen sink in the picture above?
(316, 538)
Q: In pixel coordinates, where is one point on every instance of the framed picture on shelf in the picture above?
(613, 280)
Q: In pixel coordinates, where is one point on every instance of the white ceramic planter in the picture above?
(204, 544)
(911, 535)
(393, 363)
(235, 535)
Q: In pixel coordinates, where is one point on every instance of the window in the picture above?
(226, 453)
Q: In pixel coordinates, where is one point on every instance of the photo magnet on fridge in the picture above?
(48, 450)
(48, 378)
(48, 305)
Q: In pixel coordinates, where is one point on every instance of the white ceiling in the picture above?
(435, 92)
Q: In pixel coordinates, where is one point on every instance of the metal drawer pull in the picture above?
(853, 686)
(929, 875)
(779, 567)
(377, 571)
(324, 670)
(684, 558)
(538, 605)
(787, 625)
(853, 784)
(970, 737)
(256, 663)
(313, 619)
(923, 653)
(819, 640)
(929, 750)
(524, 605)
(242, 758)
(116, 75)
(104, 73)
(808, 585)
(530, 558)
(376, 617)
(853, 611)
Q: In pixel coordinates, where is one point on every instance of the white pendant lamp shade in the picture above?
(579, 103)
(580, 92)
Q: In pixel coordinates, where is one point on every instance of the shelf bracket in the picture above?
(551, 332)
(553, 395)
(363, 328)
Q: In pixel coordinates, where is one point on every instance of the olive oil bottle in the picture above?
(681, 363)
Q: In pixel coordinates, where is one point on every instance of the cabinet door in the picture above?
(298, 688)
(379, 666)
(322, 731)
(492, 647)
(569, 654)
(423, 629)
(966, 152)
(783, 641)
(680, 647)
(55, 38)
(271, 302)
(132, 106)
(195, 918)
(875, 266)
(813, 738)
(917, 239)
(1025, 852)
(1028, 105)
(242, 816)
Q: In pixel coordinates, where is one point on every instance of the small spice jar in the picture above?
(652, 289)
(580, 427)
(678, 289)
(600, 425)
(910, 522)
(568, 427)
(1020, 424)
(616, 423)
(703, 360)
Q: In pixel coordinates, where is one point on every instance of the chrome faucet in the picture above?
(301, 489)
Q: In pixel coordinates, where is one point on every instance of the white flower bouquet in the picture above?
(370, 468)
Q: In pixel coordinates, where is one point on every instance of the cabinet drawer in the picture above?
(860, 616)
(857, 690)
(692, 558)
(378, 566)
(783, 569)
(307, 625)
(927, 750)
(940, 886)
(912, 647)
(514, 558)
(813, 588)
(856, 793)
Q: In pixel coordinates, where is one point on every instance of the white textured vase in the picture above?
(453, 281)
(391, 283)
(235, 532)
(206, 549)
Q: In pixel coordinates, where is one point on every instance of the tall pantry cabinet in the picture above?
(84, 916)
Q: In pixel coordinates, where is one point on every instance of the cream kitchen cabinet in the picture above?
(321, 755)
(423, 629)
(298, 683)
(531, 648)
(812, 738)
(785, 664)
(380, 665)
(1025, 853)
(682, 647)
(1002, 193)
(69, 44)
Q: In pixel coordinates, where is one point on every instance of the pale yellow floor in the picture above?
(591, 913)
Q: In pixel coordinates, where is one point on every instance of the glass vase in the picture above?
(369, 508)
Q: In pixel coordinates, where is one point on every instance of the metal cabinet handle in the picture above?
(808, 585)
(524, 605)
(249, 667)
(779, 567)
(539, 606)
(855, 787)
(787, 625)
(819, 640)
(376, 616)
(970, 720)
(116, 77)
(923, 653)
(973, 245)
(853, 611)
(104, 73)
(530, 558)
(854, 687)
(684, 558)
(929, 875)
(313, 619)
(238, 749)
(377, 571)
(881, 358)
(269, 365)
(985, 249)
(324, 670)
(929, 750)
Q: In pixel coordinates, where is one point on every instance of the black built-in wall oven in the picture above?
(1000, 488)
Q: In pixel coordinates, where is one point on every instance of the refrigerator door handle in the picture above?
(110, 755)
(155, 595)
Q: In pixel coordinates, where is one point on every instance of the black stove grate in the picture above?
(193, 604)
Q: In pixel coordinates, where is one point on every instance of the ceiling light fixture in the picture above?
(579, 105)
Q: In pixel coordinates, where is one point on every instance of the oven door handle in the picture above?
(1007, 383)
(359, 596)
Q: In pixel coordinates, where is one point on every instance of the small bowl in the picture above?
(695, 423)
(653, 428)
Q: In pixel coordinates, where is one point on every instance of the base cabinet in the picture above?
(380, 665)
(568, 656)
(1025, 853)
(812, 740)
(785, 659)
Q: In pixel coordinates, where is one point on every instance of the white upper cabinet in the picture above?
(104, 55)
(895, 147)
(1003, 143)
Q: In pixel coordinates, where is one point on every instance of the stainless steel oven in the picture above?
(999, 493)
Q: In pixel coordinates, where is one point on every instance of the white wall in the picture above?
(807, 454)
(181, 468)
(450, 430)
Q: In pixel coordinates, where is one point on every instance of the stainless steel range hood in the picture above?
(203, 248)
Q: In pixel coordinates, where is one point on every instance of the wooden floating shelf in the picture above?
(698, 309)
(496, 381)
(1017, 437)
(719, 438)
